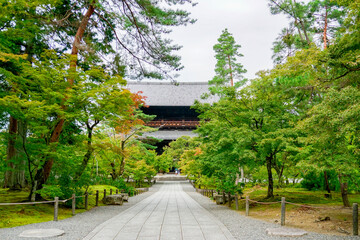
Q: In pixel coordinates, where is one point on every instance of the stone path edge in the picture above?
(222, 226)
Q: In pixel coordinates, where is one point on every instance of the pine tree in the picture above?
(228, 70)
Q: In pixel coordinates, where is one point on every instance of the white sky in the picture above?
(251, 24)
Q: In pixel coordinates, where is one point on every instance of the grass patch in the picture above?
(12, 216)
(100, 188)
(299, 196)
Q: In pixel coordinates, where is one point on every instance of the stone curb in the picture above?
(285, 232)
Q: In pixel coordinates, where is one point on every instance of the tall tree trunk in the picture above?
(326, 181)
(231, 74)
(280, 174)
(11, 153)
(86, 157)
(325, 27)
(344, 192)
(88, 153)
(15, 174)
(122, 166)
(43, 173)
(113, 173)
(122, 162)
(270, 193)
(21, 163)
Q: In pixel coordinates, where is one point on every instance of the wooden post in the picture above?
(229, 197)
(97, 198)
(110, 191)
(117, 191)
(236, 202)
(56, 208)
(247, 206)
(86, 200)
(73, 205)
(283, 211)
(355, 219)
(104, 193)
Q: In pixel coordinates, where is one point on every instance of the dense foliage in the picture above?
(67, 120)
(295, 122)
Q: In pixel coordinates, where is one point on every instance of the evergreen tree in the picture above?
(227, 69)
(316, 22)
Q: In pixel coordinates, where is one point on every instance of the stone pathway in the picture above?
(168, 214)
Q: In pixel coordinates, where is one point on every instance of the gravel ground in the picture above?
(81, 224)
(243, 227)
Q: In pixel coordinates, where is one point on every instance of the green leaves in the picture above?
(228, 70)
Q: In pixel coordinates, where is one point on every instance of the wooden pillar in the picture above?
(283, 211)
(73, 204)
(236, 202)
(86, 200)
(355, 219)
(97, 198)
(229, 197)
(247, 206)
(56, 208)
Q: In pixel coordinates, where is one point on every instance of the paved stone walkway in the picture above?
(169, 214)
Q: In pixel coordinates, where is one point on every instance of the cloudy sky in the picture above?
(251, 24)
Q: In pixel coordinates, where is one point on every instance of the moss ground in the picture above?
(17, 215)
(340, 222)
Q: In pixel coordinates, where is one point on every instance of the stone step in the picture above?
(170, 177)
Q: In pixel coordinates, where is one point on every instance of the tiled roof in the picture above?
(170, 94)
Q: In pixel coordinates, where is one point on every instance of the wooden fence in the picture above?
(283, 202)
(56, 200)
